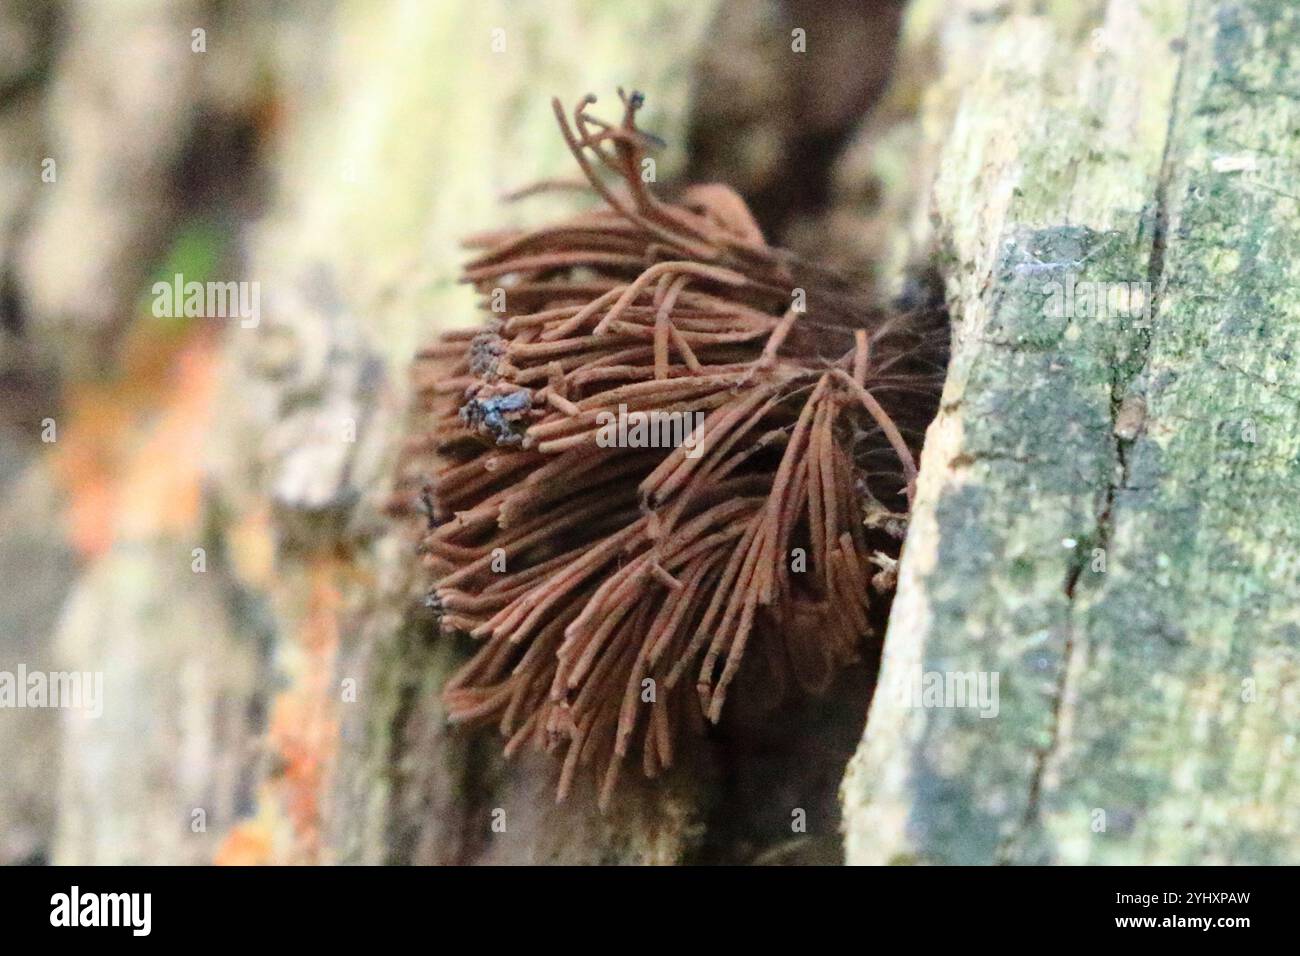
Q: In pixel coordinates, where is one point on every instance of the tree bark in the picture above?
(1106, 519)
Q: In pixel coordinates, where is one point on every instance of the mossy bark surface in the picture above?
(1107, 520)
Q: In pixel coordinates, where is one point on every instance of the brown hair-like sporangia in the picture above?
(672, 450)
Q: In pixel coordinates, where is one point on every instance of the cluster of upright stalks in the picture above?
(616, 591)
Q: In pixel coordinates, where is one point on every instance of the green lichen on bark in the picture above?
(1182, 705)
(1108, 514)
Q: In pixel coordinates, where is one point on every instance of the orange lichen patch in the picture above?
(86, 460)
(304, 725)
(162, 486)
(248, 844)
(90, 511)
(251, 547)
(319, 632)
(128, 450)
(301, 735)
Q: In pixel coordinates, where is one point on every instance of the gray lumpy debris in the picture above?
(485, 352)
(498, 415)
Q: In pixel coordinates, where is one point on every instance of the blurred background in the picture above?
(190, 505)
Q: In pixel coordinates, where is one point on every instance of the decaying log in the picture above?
(1106, 520)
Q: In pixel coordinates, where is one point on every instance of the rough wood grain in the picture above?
(1107, 513)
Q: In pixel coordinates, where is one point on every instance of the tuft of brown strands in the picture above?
(616, 591)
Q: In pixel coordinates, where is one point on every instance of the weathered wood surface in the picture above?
(1107, 516)
(435, 117)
